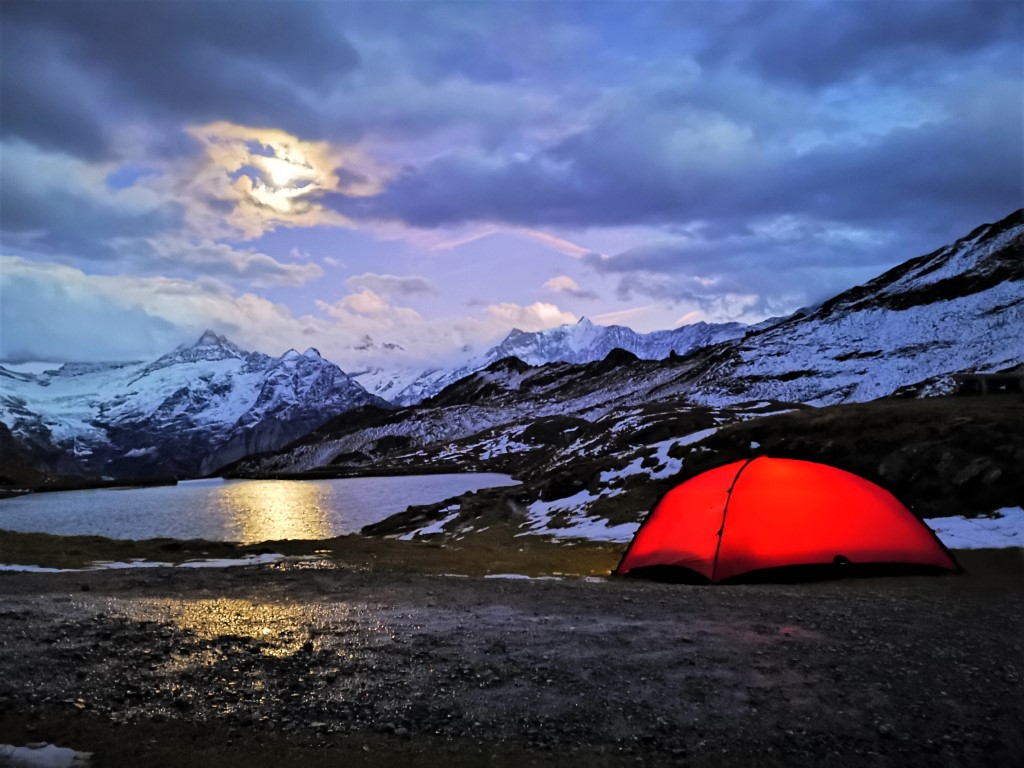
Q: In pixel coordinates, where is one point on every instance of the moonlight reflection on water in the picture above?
(266, 510)
(245, 511)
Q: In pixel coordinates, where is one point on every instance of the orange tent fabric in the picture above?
(772, 513)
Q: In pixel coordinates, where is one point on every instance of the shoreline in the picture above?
(322, 473)
(496, 551)
(88, 484)
(346, 473)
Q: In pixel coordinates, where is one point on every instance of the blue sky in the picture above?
(432, 174)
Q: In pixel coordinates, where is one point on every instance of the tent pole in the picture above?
(725, 511)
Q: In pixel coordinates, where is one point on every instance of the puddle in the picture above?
(278, 629)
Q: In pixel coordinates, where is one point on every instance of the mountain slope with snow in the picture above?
(958, 309)
(188, 412)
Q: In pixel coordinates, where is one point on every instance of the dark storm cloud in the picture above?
(35, 102)
(819, 43)
(769, 270)
(760, 72)
(944, 176)
(44, 209)
(898, 120)
(185, 61)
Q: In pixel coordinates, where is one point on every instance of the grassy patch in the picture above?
(496, 550)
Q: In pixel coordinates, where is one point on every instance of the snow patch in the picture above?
(579, 524)
(1003, 530)
(502, 446)
(109, 565)
(671, 466)
(263, 559)
(435, 527)
(32, 568)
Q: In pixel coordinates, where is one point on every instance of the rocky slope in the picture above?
(186, 413)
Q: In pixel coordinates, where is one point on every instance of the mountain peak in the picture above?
(584, 322)
(313, 354)
(212, 339)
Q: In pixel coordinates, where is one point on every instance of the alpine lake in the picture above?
(243, 511)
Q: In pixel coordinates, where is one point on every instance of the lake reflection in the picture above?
(236, 510)
(265, 510)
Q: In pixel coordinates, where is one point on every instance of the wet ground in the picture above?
(301, 663)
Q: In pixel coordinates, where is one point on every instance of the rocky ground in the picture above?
(328, 662)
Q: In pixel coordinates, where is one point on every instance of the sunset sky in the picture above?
(431, 174)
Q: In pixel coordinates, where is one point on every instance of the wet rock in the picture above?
(977, 470)
(895, 468)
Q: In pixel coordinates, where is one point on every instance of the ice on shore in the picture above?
(43, 755)
(105, 565)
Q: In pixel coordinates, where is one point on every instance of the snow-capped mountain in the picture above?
(585, 342)
(581, 342)
(186, 413)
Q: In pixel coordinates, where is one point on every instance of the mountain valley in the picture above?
(596, 422)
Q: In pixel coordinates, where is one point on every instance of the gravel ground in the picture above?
(297, 663)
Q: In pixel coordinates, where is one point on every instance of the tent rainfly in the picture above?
(769, 518)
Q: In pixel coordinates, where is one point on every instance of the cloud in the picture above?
(264, 178)
(183, 62)
(819, 44)
(169, 253)
(565, 284)
(55, 203)
(682, 164)
(535, 317)
(435, 341)
(772, 267)
(55, 312)
(749, 156)
(46, 102)
(407, 285)
(58, 313)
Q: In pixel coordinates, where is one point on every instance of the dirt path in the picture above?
(279, 665)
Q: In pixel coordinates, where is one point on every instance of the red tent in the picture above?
(736, 521)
